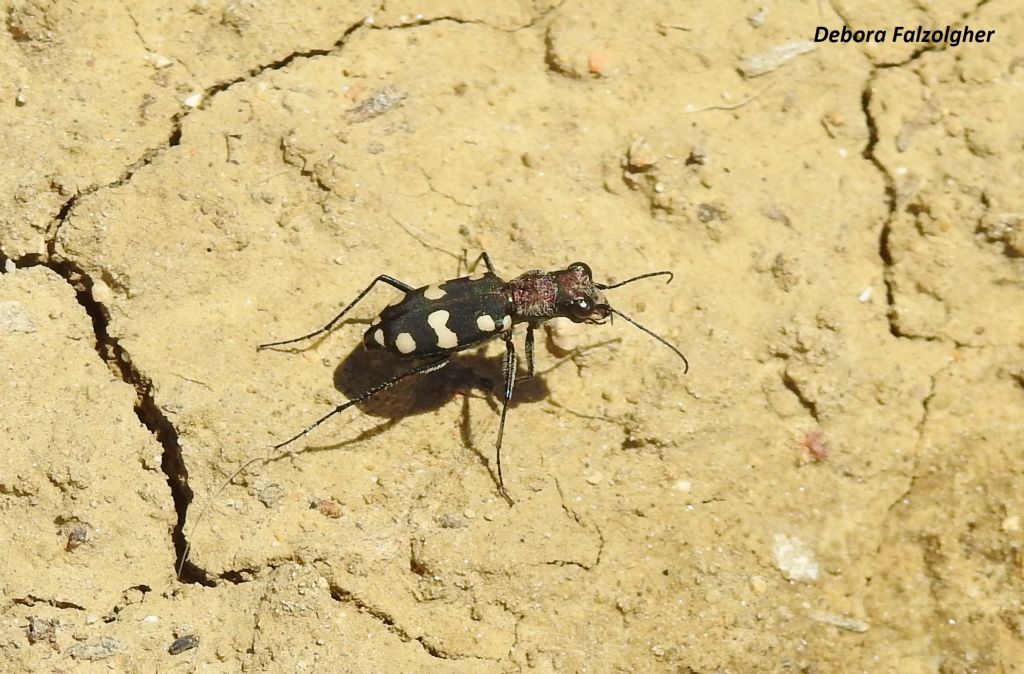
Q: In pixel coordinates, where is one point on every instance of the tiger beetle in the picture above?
(436, 321)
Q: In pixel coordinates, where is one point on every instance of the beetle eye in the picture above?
(581, 267)
(582, 307)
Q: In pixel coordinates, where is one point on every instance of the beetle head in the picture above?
(581, 300)
(578, 298)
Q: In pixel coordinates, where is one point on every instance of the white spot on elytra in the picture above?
(405, 343)
(446, 339)
(477, 276)
(375, 321)
(485, 323)
(506, 323)
(378, 336)
(434, 292)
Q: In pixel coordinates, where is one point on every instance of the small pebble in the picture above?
(683, 485)
(15, 317)
(795, 558)
(95, 649)
(101, 292)
(182, 644)
(766, 62)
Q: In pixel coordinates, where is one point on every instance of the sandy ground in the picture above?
(833, 487)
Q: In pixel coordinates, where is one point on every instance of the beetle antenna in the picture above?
(652, 333)
(602, 286)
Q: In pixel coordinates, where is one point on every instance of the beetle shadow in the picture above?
(467, 374)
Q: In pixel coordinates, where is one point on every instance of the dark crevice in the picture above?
(31, 600)
(891, 197)
(427, 21)
(884, 250)
(147, 158)
(885, 234)
(340, 594)
(286, 61)
(135, 594)
(920, 427)
(238, 576)
(794, 387)
(146, 409)
(569, 512)
(279, 64)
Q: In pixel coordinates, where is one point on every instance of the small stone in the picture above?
(776, 57)
(270, 494)
(78, 535)
(329, 508)
(843, 622)
(41, 630)
(182, 644)
(95, 649)
(15, 317)
(795, 558)
(450, 521)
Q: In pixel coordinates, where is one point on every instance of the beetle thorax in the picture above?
(533, 294)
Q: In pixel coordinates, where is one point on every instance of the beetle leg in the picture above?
(529, 351)
(383, 278)
(511, 363)
(487, 263)
(420, 369)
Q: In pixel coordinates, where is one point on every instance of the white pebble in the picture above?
(794, 558)
(101, 292)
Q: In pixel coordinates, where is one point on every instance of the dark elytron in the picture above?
(443, 318)
(434, 322)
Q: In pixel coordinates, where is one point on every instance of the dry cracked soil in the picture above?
(834, 486)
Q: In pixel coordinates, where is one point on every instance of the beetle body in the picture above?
(443, 317)
(459, 313)
(433, 322)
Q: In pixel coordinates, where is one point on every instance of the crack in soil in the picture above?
(794, 387)
(31, 600)
(344, 596)
(884, 250)
(146, 410)
(891, 195)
